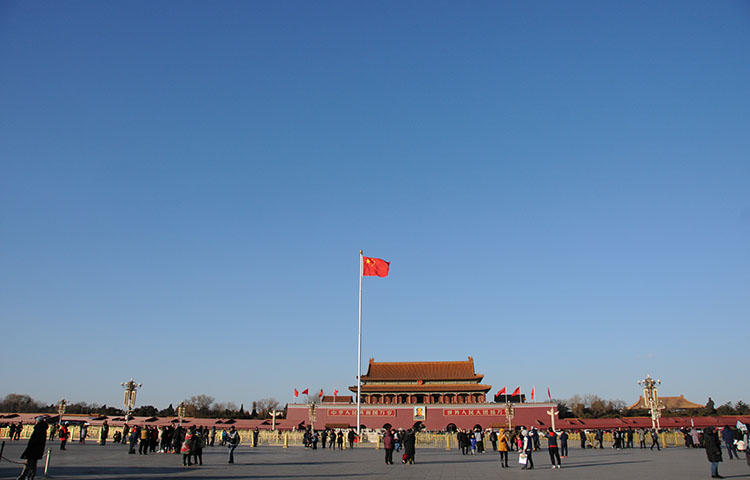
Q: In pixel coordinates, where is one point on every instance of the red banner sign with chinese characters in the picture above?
(365, 412)
(473, 412)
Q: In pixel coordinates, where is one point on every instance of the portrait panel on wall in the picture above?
(419, 414)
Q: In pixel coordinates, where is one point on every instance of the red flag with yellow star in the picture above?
(375, 267)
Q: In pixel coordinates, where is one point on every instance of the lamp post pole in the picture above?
(509, 414)
(61, 410)
(552, 412)
(311, 411)
(651, 399)
(181, 412)
(131, 390)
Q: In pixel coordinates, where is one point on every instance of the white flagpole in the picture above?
(359, 343)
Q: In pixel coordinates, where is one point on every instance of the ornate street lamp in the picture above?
(509, 413)
(651, 399)
(181, 411)
(131, 390)
(312, 413)
(61, 410)
(552, 412)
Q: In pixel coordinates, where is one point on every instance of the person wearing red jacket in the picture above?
(64, 435)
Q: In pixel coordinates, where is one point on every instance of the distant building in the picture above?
(389, 383)
(669, 403)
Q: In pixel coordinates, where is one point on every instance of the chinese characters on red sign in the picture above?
(473, 412)
(365, 412)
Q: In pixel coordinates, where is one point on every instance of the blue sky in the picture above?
(561, 187)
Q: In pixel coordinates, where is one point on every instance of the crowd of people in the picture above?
(329, 438)
(189, 442)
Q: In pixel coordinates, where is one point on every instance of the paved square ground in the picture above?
(90, 462)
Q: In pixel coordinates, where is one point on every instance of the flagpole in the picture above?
(359, 344)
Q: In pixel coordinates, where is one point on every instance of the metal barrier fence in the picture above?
(371, 440)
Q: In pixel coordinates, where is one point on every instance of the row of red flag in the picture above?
(307, 392)
(517, 392)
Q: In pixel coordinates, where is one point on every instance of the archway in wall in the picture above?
(418, 426)
(451, 428)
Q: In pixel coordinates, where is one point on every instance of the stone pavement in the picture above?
(91, 461)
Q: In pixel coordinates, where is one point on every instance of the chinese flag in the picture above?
(549, 394)
(501, 392)
(374, 267)
(320, 395)
(305, 392)
(335, 392)
(532, 394)
(296, 393)
(517, 391)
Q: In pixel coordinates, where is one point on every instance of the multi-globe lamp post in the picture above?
(61, 410)
(131, 390)
(651, 399)
(181, 411)
(509, 413)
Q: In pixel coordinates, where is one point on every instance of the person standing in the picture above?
(340, 440)
(503, 447)
(256, 432)
(186, 449)
(410, 441)
(103, 433)
(133, 439)
(52, 431)
(582, 437)
(196, 448)
(727, 435)
(493, 440)
(143, 446)
(34, 449)
(83, 433)
(554, 453)
(388, 446)
(655, 440)
(64, 435)
(528, 449)
(564, 444)
(351, 436)
(233, 440)
(599, 437)
(713, 450)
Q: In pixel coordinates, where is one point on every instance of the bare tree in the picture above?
(264, 406)
(201, 401)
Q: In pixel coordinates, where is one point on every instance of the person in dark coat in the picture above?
(388, 446)
(34, 449)
(410, 441)
(103, 433)
(196, 448)
(712, 445)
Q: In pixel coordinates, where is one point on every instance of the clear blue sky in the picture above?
(562, 189)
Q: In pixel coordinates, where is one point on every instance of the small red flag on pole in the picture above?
(296, 393)
(320, 395)
(532, 393)
(549, 394)
(516, 392)
(305, 391)
(335, 392)
(501, 392)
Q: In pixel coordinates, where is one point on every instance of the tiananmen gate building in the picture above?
(437, 395)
